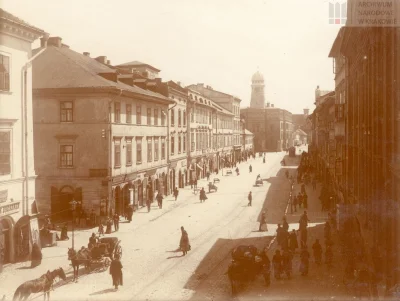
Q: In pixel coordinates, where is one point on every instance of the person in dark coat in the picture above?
(36, 256)
(116, 272)
(250, 198)
(129, 212)
(304, 261)
(159, 200)
(285, 226)
(184, 244)
(109, 224)
(64, 232)
(202, 195)
(279, 235)
(277, 264)
(293, 244)
(263, 221)
(305, 201)
(176, 192)
(317, 250)
(250, 168)
(116, 221)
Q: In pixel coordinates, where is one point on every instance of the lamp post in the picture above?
(73, 204)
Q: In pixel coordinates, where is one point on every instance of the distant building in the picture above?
(272, 128)
(257, 91)
(143, 69)
(18, 224)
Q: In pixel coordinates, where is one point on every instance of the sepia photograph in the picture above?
(199, 150)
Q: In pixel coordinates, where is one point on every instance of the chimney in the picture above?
(200, 85)
(272, 105)
(267, 104)
(43, 41)
(101, 59)
(108, 62)
(55, 41)
(317, 94)
(86, 54)
(179, 84)
(306, 111)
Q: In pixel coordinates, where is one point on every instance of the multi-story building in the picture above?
(18, 222)
(229, 103)
(371, 99)
(272, 128)
(98, 141)
(248, 142)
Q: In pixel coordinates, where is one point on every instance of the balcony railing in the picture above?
(9, 207)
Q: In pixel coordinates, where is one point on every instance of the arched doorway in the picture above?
(22, 238)
(60, 203)
(6, 240)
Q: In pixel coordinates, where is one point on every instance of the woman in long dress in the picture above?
(184, 242)
(116, 272)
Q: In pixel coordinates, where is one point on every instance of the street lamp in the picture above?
(73, 204)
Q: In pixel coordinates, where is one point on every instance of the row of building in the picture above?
(77, 128)
(356, 145)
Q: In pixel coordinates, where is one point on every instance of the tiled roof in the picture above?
(10, 17)
(63, 68)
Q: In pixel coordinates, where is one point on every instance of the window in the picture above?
(138, 115)
(148, 116)
(192, 141)
(162, 118)
(191, 116)
(184, 143)
(5, 153)
(128, 152)
(117, 153)
(163, 148)
(179, 144)
(128, 113)
(172, 117)
(179, 118)
(4, 73)
(66, 156)
(139, 150)
(149, 150)
(117, 112)
(66, 111)
(172, 145)
(184, 117)
(156, 139)
(155, 116)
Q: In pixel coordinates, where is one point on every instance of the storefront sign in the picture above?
(35, 231)
(9, 208)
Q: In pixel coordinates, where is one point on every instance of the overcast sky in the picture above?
(221, 43)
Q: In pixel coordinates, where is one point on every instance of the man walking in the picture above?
(250, 198)
(116, 221)
(250, 168)
(159, 200)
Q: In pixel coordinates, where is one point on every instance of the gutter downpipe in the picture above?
(110, 196)
(168, 148)
(24, 132)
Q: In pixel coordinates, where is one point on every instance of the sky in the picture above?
(220, 43)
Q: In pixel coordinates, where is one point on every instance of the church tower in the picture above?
(257, 91)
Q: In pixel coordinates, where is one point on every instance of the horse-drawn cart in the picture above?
(99, 256)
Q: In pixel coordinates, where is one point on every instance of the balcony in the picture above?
(8, 208)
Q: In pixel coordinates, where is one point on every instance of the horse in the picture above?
(42, 284)
(78, 258)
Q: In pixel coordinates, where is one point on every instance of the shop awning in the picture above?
(198, 166)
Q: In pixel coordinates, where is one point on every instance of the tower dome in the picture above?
(257, 77)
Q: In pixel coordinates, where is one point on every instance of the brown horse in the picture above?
(42, 284)
(77, 258)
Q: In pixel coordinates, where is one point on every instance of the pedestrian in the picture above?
(129, 213)
(279, 235)
(263, 222)
(36, 255)
(317, 250)
(250, 198)
(285, 224)
(64, 232)
(202, 196)
(295, 203)
(159, 198)
(303, 222)
(266, 264)
(100, 230)
(116, 272)
(250, 168)
(287, 263)
(305, 201)
(176, 192)
(116, 221)
(303, 237)
(148, 204)
(184, 244)
(304, 261)
(293, 244)
(277, 264)
(299, 199)
(237, 171)
(109, 224)
(208, 176)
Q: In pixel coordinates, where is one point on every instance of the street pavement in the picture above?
(152, 268)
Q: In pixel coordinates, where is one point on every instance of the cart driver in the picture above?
(93, 240)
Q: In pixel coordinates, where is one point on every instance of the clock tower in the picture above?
(257, 91)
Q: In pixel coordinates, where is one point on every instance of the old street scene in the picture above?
(199, 150)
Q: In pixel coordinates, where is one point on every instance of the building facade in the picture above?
(371, 110)
(18, 222)
(98, 141)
